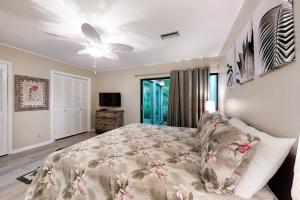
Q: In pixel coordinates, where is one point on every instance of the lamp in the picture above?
(210, 106)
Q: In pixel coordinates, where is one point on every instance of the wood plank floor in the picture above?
(15, 165)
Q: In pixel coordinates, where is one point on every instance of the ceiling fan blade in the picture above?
(62, 37)
(112, 56)
(90, 33)
(65, 38)
(115, 47)
(83, 52)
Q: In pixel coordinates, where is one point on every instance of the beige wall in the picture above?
(271, 102)
(124, 81)
(33, 127)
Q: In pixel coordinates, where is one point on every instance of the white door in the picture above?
(84, 106)
(76, 104)
(68, 96)
(70, 105)
(3, 110)
(59, 111)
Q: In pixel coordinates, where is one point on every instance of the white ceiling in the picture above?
(203, 24)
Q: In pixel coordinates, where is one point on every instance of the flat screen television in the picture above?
(110, 99)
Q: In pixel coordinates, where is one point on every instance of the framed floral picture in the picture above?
(31, 93)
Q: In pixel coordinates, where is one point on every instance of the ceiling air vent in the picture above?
(170, 35)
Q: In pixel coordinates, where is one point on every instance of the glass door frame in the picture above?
(142, 92)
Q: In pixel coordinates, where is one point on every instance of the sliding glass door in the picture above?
(147, 102)
(154, 100)
(213, 89)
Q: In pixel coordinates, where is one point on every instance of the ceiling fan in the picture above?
(94, 46)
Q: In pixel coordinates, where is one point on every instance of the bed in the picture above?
(133, 162)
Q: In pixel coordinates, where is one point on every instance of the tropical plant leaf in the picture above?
(196, 149)
(277, 36)
(159, 145)
(191, 196)
(93, 163)
(114, 187)
(198, 185)
(209, 175)
(40, 187)
(130, 153)
(57, 157)
(173, 160)
(139, 174)
(68, 192)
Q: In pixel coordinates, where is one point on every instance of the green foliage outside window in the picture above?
(159, 100)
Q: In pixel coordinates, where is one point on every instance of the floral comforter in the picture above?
(140, 162)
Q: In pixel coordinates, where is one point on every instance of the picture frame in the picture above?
(244, 55)
(31, 94)
(274, 35)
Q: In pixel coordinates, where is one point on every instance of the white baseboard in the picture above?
(14, 151)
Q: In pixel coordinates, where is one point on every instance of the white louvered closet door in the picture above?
(69, 98)
(76, 95)
(3, 110)
(59, 107)
(84, 106)
(70, 106)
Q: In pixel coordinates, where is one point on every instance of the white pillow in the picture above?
(267, 158)
(296, 183)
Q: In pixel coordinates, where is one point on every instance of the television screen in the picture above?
(110, 99)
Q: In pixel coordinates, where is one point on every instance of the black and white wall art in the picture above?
(274, 36)
(231, 66)
(244, 55)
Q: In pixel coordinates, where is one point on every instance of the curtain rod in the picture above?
(167, 73)
(142, 75)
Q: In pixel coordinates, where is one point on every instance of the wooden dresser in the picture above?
(107, 120)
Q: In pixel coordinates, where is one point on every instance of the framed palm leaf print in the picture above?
(244, 55)
(31, 93)
(273, 23)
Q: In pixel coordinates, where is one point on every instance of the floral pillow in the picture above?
(207, 126)
(203, 118)
(208, 121)
(224, 151)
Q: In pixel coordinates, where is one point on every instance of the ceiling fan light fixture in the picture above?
(95, 52)
(95, 47)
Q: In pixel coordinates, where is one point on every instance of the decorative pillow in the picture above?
(223, 152)
(208, 125)
(208, 122)
(266, 160)
(203, 118)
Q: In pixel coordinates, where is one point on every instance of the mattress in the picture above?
(141, 162)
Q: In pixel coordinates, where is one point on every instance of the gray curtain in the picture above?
(188, 94)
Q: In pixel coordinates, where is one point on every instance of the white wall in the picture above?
(271, 102)
(33, 127)
(125, 82)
